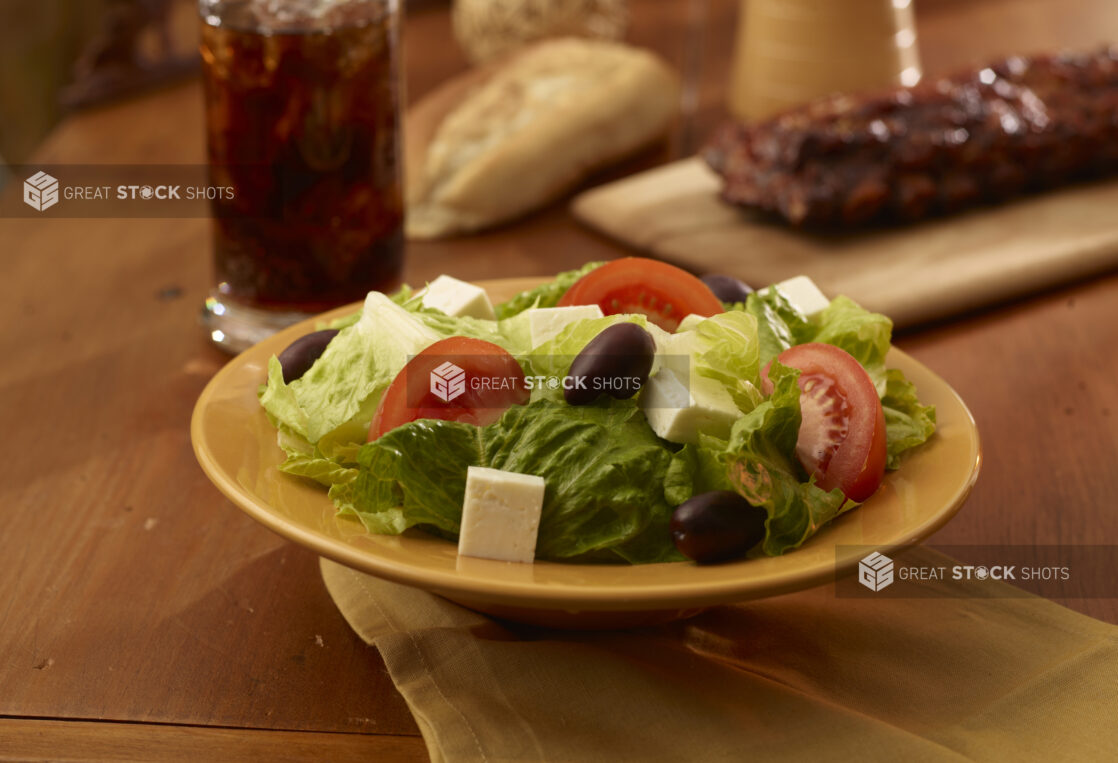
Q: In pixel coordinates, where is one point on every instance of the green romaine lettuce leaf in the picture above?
(405, 297)
(335, 400)
(280, 402)
(844, 323)
(908, 423)
(345, 383)
(779, 324)
(325, 471)
(475, 328)
(516, 334)
(726, 348)
(851, 327)
(696, 469)
(866, 336)
(508, 334)
(339, 323)
(544, 295)
(605, 472)
(413, 475)
(761, 464)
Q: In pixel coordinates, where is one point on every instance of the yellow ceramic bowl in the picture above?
(236, 447)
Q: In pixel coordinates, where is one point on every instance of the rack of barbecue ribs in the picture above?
(1018, 125)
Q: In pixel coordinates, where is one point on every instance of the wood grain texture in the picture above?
(1043, 387)
(43, 740)
(913, 273)
(130, 590)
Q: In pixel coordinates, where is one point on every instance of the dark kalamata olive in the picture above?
(301, 354)
(716, 526)
(614, 363)
(727, 288)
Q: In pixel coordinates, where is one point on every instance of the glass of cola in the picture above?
(304, 145)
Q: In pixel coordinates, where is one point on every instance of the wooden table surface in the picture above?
(142, 616)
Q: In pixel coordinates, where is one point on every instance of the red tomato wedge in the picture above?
(663, 292)
(842, 428)
(455, 379)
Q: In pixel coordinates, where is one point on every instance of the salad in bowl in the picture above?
(623, 412)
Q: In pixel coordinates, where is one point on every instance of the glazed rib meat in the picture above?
(1018, 125)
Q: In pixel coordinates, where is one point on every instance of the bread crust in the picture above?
(519, 134)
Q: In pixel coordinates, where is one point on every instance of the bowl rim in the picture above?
(527, 593)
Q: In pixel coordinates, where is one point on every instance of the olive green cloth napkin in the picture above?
(804, 676)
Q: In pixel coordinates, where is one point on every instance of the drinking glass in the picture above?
(303, 135)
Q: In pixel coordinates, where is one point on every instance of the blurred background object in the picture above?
(789, 52)
(138, 43)
(487, 29)
(576, 105)
(61, 54)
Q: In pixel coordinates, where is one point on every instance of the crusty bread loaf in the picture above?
(530, 129)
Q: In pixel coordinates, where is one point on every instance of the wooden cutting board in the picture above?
(914, 274)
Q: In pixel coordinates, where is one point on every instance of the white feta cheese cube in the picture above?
(678, 412)
(804, 295)
(662, 341)
(675, 354)
(500, 515)
(458, 299)
(545, 323)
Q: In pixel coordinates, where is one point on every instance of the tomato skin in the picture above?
(837, 392)
(409, 396)
(663, 292)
